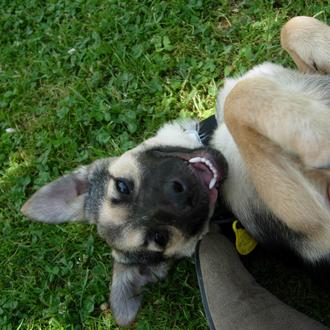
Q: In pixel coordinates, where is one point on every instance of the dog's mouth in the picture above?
(207, 170)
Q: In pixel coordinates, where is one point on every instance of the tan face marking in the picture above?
(128, 167)
(131, 239)
(114, 215)
(179, 245)
(152, 246)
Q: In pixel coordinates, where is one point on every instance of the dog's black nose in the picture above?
(178, 193)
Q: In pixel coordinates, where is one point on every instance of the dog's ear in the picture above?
(63, 199)
(126, 288)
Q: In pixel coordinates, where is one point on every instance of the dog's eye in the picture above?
(161, 238)
(122, 186)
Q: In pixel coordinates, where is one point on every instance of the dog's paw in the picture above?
(307, 40)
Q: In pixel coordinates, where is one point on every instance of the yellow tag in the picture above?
(245, 244)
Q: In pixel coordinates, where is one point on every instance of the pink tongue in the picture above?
(204, 172)
(213, 193)
(206, 176)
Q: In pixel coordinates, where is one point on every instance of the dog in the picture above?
(268, 161)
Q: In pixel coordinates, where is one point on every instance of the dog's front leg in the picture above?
(282, 136)
(284, 114)
(127, 288)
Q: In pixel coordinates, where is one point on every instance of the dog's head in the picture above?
(151, 205)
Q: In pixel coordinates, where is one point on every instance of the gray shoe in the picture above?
(232, 298)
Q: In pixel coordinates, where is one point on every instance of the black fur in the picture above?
(160, 166)
(97, 184)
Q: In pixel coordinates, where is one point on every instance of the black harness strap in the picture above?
(206, 129)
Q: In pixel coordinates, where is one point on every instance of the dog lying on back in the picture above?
(268, 161)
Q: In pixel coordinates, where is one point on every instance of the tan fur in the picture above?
(297, 123)
(132, 238)
(181, 246)
(125, 166)
(112, 214)
(276, 174)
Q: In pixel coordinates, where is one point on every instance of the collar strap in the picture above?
(206, 129)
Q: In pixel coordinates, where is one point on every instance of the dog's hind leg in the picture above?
(307, 40)
(283, 136)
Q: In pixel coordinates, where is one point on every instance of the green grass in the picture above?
(81, 80)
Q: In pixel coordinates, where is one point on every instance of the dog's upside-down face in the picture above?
(151, 205)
